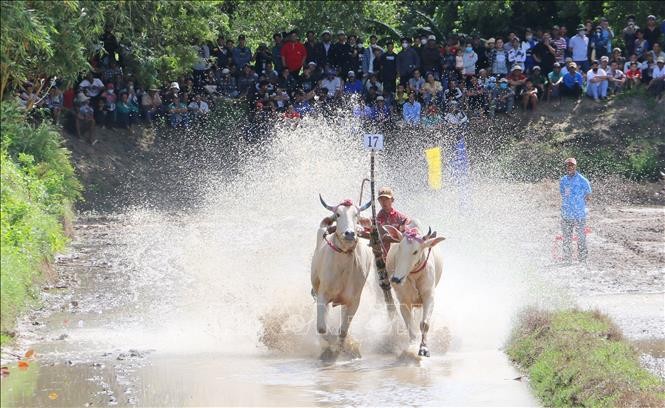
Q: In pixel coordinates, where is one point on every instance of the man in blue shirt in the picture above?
(575, 191)
(572, 82)
(411, 110)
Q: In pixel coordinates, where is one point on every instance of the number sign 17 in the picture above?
(373, 141)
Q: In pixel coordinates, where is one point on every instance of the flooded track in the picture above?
(209, 304)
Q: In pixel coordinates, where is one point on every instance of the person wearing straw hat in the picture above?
(575, 192)
(151, 103)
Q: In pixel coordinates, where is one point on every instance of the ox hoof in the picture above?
(423, 352)
(329, 355)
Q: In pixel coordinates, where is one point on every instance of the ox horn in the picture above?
(429, 232)
(326, 206)
(366, 206)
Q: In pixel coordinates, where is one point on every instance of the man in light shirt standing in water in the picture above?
(575, 192)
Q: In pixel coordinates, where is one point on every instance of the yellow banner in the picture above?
(433, 157)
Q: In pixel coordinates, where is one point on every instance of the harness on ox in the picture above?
(412, 234)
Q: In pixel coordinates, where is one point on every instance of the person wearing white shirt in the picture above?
(580, 45)
(199, 107)
(91, 86)
(596, 82)
(659, 70)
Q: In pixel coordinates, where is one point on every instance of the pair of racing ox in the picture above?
(341, 264)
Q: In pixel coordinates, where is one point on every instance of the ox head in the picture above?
(346, 215)
(410, 249)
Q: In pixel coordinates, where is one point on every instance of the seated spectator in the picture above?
(416, 82)
(226, 84)
(659, 71)
(373, 81)
(618, 57)
(246, 81)
(411, 110)
(633, 76)
(178, 115)
(110, 99)
(333, 83)
(432, 90)
(381, 111)
(657, 51)
(539, 81)
(453, 93)
(647, 67)
(85, 119)
(54, 102)
(353, 85)
(371, 95)
(459, 63)
(502, 98)
(174, 90)
(401, 96)
(287, 81)
(113, 73)
(572, 82)
(91, 86)
(554, 80)
(281, 99)
(198, 108)
(475, 95)
(270, 73)
(302, 103)
(517, 79)
(101, 115)
(291, 112)
(631, 59)
(529, 96)
(432, 117)
(151, 103)
(455, 115)
(127, 111)
(596, 82)
(306, 81)
(616, 78)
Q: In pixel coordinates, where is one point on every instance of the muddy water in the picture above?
(208, 304)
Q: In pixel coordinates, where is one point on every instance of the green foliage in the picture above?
(37, 189)
(578, 358)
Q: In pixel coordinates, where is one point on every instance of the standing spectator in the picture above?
(629, 34)
(277, 51)
(407, 61)
(481, 51)
(607, 34)
(470, 58)
(572, 82)
(310, 47)
(127, 111)
(324, 51)
(221, 53)
(202, 64)
(226, 84)
(113, 73)
(85, 119)
(516, 54)
(431, 57)
(54, 102)
(287, 81)
(151, 103)
(616, 77)
(598, 44)
(340, 55)
(596, 82)
(411, 110)
(110, 98)
(579, 46)
(527, 45)
(545, 54)
(293, 54)
(554, 79)
(368, 56)
(575, 192)
(641, 44)
(178, 113)
(388, 74)
(241, 54)
(92, 87)
(355, 64)
(111, 47)
(657, 51)
(247, 81)
(502, 98)
(652, 31)
(559, 43)
(262, 58)
(499, 60)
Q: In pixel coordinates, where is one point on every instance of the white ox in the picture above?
(414, 266)
(340, 265)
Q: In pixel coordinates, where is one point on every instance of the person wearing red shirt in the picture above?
(633, 75)
(388, 215)
(293, 54)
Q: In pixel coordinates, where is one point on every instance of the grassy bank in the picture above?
(37, 191)
(579, 358)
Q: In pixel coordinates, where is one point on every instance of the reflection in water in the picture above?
(215, 299)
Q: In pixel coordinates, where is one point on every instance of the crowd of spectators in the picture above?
(426, 82)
